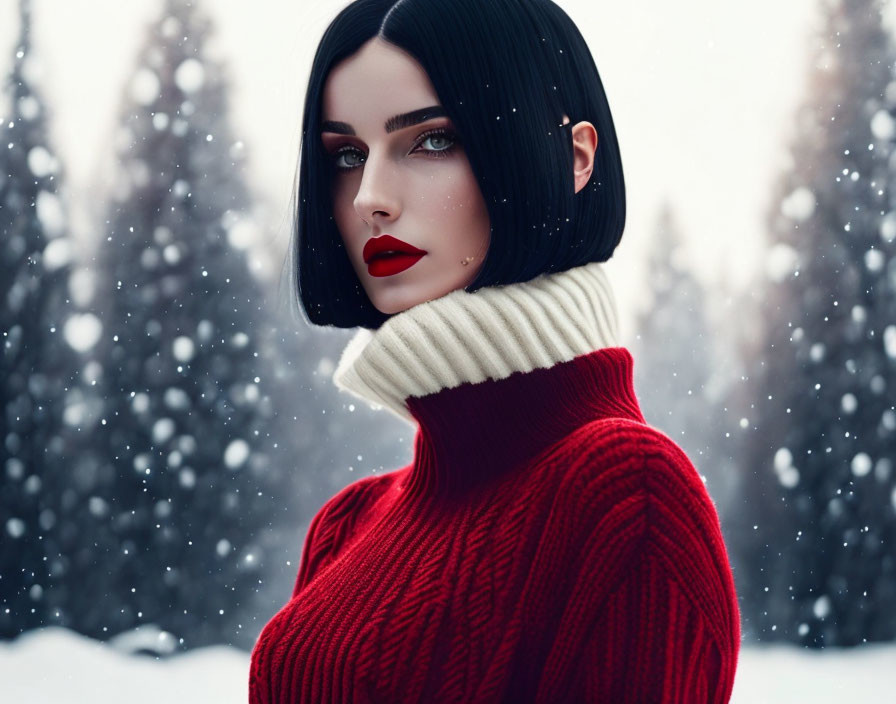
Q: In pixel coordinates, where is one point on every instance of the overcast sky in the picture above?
(702, 94)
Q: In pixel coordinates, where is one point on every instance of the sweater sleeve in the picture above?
(653, 643)
(655, 597)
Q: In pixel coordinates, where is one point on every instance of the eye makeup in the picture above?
(439, 132)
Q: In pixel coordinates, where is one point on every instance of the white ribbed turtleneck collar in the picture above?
(487, 334)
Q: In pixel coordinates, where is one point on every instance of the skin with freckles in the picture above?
(411, 181)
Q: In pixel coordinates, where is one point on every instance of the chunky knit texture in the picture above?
(544, 544)
(489, 334)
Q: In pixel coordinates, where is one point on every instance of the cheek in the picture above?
(473, 200)
(455, 197)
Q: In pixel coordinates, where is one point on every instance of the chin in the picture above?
(390, 305)
(393, 307)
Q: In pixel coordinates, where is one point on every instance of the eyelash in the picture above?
(435, 153)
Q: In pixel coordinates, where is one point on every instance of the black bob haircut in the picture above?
(505, 71)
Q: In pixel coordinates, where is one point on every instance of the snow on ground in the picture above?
(54, 665)
(778, 674)
(58, 666)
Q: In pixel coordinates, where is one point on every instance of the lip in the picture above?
(393, 264)
(407, 256)
(387, 243)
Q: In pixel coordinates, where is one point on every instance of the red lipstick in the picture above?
(387, 255)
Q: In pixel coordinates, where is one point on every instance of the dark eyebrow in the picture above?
(396, 122)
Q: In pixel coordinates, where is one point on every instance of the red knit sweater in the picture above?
(544, 545)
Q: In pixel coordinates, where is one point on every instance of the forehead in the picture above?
(374, 83)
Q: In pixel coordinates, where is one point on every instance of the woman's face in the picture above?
(399, 171)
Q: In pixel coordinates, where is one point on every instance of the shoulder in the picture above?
(632, 455)
(347, 500)
(336, 521)
(341, 512)
(622, 465)
(637, 437)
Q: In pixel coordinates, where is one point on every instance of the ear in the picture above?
(584, 144)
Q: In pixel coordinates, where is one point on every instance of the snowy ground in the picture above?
(55, 665)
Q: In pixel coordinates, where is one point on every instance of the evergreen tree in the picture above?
(678, 381)
(187, 488)
(821, 449)
(738, 350)
(37, 364)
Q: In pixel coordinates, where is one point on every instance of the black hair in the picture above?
(506, 71)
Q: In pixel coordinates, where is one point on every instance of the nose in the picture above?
(378, 193)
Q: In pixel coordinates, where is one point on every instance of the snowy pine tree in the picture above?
(678, 383)
(821, 450)
(38, 365)
(173, 531)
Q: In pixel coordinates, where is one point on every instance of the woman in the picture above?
(460, 187)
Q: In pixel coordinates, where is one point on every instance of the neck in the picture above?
(475, 433)
(493, 377)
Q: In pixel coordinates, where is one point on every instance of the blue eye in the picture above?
(435, 136)
(440, 134)
(347, 151)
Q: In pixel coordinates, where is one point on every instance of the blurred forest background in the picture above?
(168, 426)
